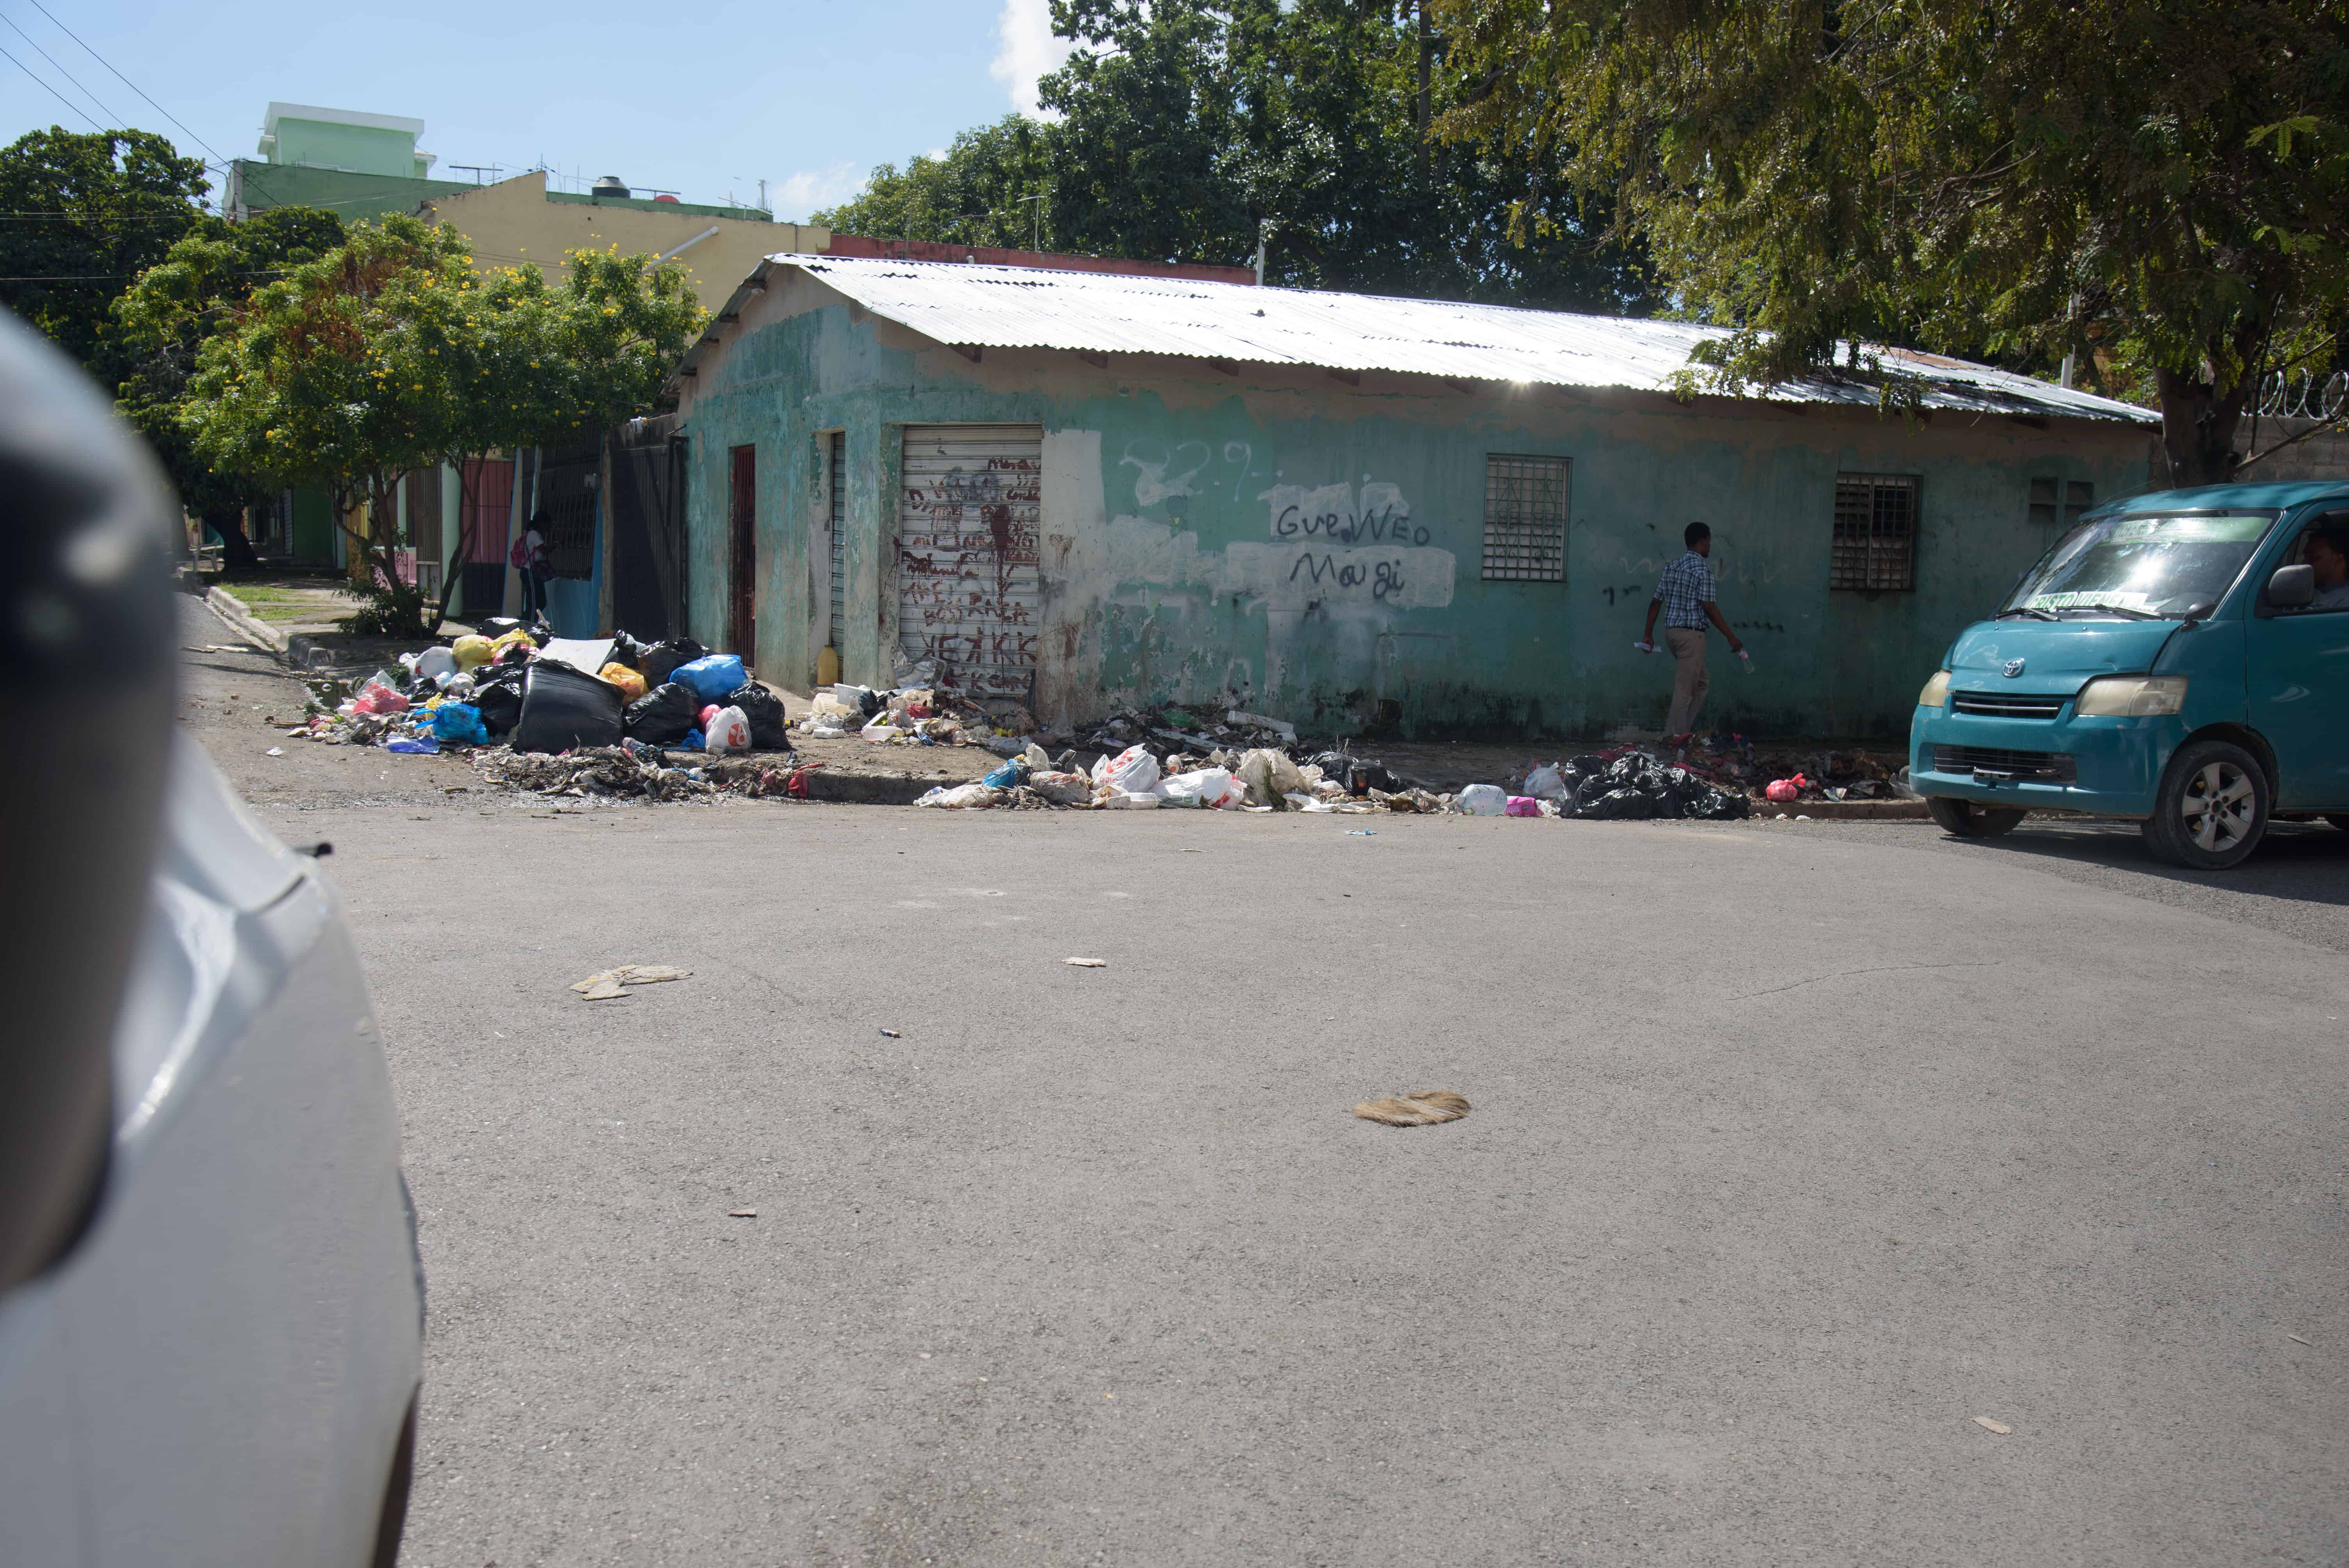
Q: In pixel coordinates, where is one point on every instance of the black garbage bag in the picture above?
(769, 729)
(563, 709)
(496, 626)
(662, 716)
(626, 650)
(660, 662)
(497, 691)
(1617, 806)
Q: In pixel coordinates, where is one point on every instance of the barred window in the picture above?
(2061, 502)
(1875, 533)
(1525, 519)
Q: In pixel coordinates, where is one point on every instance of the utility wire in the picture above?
(52, 91)
(126, 81)
(65, 73)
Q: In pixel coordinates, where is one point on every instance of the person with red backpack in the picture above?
(529, 557)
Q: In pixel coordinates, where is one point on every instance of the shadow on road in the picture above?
(2304, 862)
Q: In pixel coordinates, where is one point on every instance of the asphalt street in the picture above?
(1796, 1148)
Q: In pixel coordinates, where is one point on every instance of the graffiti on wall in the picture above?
(968, 571)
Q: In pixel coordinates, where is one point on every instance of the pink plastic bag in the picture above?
(1783, 790)
(1523, 806)
(378, 697)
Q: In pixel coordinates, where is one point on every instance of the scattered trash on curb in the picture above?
(891, 1034)
(1422, 1108)
(742, 1213)
(613, 983)
(1987, 1425)
(1087, 962)
(1362, 833)
(275, 751)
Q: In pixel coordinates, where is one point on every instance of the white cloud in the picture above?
(1026, 51)
(812, 189)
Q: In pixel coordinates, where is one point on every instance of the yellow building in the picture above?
(519, 219)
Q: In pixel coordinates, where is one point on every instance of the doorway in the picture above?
(742, 577)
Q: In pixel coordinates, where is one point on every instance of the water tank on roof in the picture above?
(670, 199)
(610, 185)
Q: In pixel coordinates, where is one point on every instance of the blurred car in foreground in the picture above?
(211, 1307)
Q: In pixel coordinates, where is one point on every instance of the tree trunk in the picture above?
(237, 555)
(2198, 427)
(1426, 52)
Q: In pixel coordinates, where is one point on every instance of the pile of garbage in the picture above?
(909, 716)
(631, 770)
(578, 716)
(1782, 777)
(1262, 779)
(1187, 730)
(1626, 784)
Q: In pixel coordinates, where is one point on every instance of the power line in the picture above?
(126, 81)
(52, 91)
(65, 73)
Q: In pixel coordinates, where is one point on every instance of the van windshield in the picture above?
(2140, 568)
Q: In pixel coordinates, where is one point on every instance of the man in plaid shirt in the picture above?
(1684, 599)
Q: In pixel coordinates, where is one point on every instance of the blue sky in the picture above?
(705, 100)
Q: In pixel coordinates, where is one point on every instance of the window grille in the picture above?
(1875, 533)
(1525, 519)
(2061, 502)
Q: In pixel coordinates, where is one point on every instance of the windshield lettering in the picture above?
(2157, 566)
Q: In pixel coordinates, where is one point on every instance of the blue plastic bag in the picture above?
(1012, 772)
(414, 746)
(692, 741)
(459, 723)
(712, 675)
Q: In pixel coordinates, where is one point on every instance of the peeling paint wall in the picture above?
(1313, 550)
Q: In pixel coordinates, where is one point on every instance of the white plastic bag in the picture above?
(1546, 783)
(962, 796)
(1128, 800)
(1133, 771)
(1211, 786)
(729, 730)
(1062, 789)
(1268, 775)
(1483, 800)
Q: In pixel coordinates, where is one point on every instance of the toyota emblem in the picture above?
(2014, 668)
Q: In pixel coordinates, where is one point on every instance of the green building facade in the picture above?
(1071, 524)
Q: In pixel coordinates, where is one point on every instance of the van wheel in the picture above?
(2211, 810)
(1965, 819)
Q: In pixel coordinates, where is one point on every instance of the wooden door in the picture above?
(742, 577)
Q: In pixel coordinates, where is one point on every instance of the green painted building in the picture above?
(357, 164)
(1072, 489)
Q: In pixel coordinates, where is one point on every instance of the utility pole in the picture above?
(1263, 238)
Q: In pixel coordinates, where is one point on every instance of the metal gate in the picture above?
(968, 521)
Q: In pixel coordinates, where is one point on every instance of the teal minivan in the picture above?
(2181, 657)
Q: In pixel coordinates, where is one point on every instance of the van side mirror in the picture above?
(2292, 587)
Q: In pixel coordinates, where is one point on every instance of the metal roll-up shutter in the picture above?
(836, 490)
(969, 519)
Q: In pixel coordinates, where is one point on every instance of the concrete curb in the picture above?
(242, 621)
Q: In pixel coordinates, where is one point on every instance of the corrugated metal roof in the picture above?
(1102, 313)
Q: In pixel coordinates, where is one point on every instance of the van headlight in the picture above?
(2133, 696)
(1937, 691)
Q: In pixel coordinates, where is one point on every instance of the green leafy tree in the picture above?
(2157, 187)
(81, 217)
(991, 188)
(161, 323)
(388, 354)
(1195, 131)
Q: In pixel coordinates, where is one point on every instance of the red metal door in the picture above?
(743, 580)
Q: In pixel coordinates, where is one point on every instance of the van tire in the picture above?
(2211, 810)
(1965, 819)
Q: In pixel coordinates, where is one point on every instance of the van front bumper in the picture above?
(2115, 763)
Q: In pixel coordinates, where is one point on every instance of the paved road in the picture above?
(1795, 1149)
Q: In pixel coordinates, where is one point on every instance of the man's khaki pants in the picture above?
(1688, 681)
